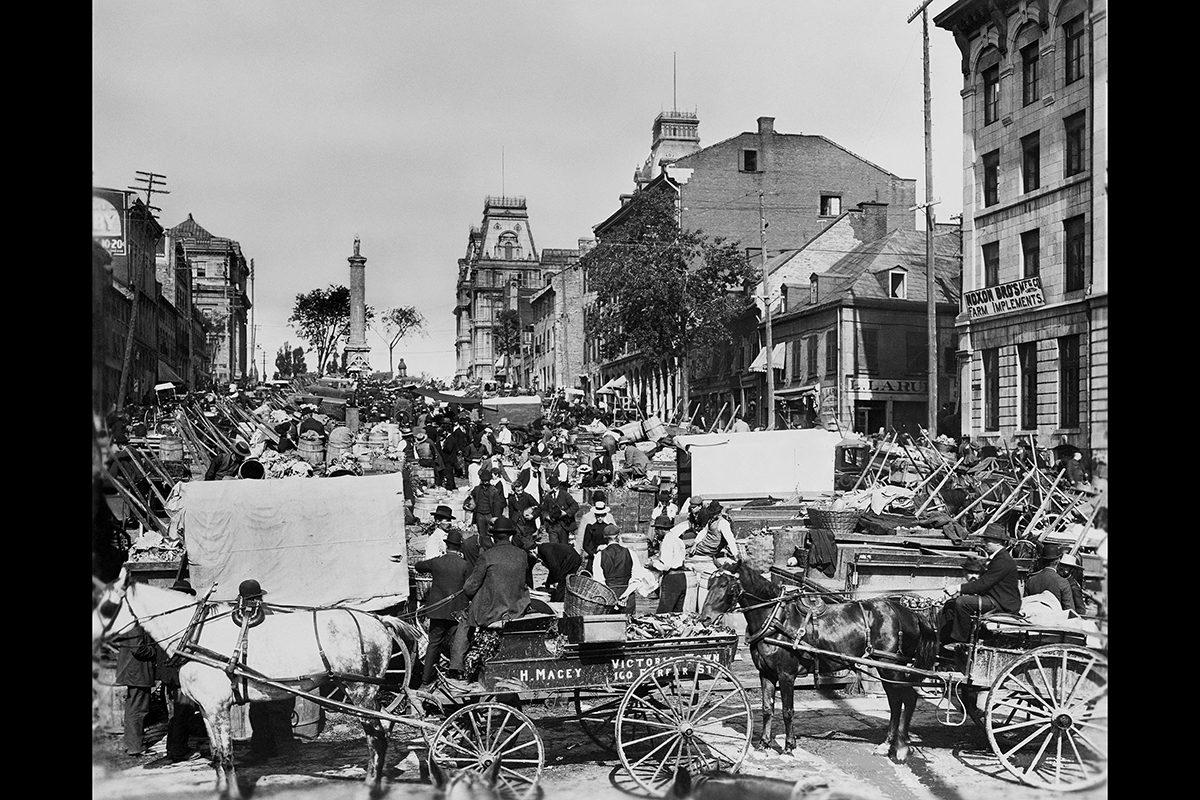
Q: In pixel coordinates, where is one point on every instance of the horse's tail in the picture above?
(927, 645)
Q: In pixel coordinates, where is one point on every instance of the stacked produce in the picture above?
(672, 626)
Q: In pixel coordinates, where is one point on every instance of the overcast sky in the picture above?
(293, 126)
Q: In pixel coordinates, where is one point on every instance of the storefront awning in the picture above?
(619, 382)
(502, 362)
(165, 373)
(760, 361)
(798, 391)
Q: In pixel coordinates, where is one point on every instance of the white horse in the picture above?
(299, 649)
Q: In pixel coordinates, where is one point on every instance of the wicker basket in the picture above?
(586, 597)
(421, 585)
(759, 552)
(836, 521)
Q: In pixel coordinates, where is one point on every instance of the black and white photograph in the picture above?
(620, 400)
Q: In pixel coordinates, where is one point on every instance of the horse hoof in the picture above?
(761, 745)
(901, 755)
(789, 748)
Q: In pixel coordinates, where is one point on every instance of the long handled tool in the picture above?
(938, 488)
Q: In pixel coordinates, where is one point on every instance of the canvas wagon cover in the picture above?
(308, 541)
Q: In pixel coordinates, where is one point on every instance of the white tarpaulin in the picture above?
(307, 541)
(760, 362)
(619, 382)
(760, 463)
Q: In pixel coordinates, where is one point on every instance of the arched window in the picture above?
(507, 247)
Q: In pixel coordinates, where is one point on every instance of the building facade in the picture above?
(219, 280)
(806, 182)
(558, 313)
(1033, 335)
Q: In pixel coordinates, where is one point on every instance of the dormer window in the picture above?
(898, 284)
(812, 289)
(749, 161)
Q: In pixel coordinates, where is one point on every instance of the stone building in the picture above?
(1033, 338)
(501, 271)
(220, 274)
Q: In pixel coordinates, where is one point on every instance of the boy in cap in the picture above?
(1047, 579)
(996, 589)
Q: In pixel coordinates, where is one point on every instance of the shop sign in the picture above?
(863, 383)
(1019, 295)
(108, 220)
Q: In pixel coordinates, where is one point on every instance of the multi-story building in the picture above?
(558, 328)
(501, 271)
(128, 232)
(175, 302)
(1033, 335)
(851, 332)
(219, 281)
(799, 182)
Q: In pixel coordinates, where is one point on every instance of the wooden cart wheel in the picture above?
(688, 712)
(1047, 718)
(474, 737)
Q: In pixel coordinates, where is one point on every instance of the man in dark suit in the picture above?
(561, 560)
(135, 670)
(498, 592)
(449, 573)
(1047, 579)
(558, 513)
(996, 589)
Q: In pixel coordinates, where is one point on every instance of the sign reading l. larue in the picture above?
(1019, 295)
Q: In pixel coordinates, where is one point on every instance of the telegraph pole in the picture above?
(152, 183)
(253, 327)
(762, 239)
(931, 301)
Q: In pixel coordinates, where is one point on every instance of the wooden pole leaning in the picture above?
(938, 488)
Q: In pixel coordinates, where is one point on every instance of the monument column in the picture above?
(358, 352)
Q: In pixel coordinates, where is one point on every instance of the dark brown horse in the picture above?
(881, 629)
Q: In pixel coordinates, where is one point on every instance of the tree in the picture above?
(508, 335)
(398, 322)
(289, 361)
(322, 317)
(663, 291)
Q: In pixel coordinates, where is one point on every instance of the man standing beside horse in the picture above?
(996, 589)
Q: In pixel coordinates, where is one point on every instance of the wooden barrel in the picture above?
(170, 448)
(312, 452)
(308, 718)
(110, 698)
(637, 544)
(239, 722)
(786, 541)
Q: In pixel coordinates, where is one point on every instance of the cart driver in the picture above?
(996, 589)
(250, 600)
(498, 592)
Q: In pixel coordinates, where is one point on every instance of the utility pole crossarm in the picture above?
(918, 10)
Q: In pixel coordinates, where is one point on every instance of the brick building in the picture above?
(1033, 337)
(852, 326)
(806, 180)
(219, 277)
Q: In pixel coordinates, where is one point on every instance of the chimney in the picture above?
(874, 223)
(766, 125)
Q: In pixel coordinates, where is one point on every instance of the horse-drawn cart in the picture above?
(1040, 694)
(659, 704)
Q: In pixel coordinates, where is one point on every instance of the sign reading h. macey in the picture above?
(1019, 295)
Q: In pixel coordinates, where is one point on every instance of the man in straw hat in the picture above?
(1047, 579)
(598, 532)
(225, 463)
(996, 589)
(445, 599)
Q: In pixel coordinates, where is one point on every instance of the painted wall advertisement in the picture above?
(1019, 295)
(108, 220)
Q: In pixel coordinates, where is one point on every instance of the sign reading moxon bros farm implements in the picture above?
(1019, 295)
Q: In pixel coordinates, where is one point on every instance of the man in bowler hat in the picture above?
(1047, 579)
(449, 573)
(996, 589)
